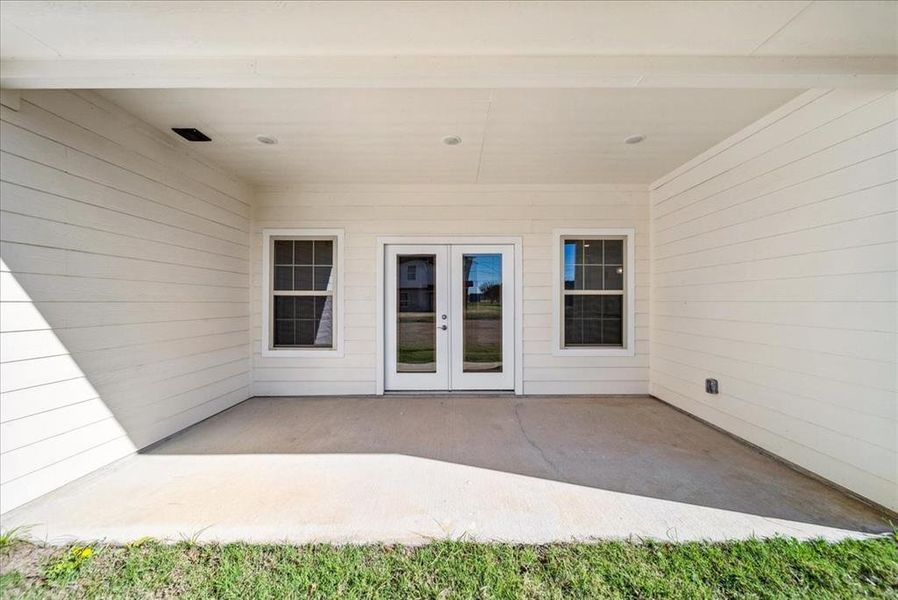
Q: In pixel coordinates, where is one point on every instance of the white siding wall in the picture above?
(775, 272)
(124, 313)
(127, 263)
(531, 212)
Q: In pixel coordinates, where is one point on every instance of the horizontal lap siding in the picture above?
(775, 258)
(124, 290)
(531, 212)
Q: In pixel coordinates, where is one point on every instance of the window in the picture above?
(594, 308)
(302, 297)
(412, 272)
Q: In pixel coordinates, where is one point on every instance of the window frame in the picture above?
(269, 236)
(628, 329)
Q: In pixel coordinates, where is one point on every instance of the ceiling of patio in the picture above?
(539, 92)
(32, 30)
(571, 136)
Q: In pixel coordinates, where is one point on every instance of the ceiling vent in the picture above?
(191, 134)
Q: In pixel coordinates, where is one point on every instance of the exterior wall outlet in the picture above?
(711, 386)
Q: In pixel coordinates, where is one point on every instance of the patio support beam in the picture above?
(454, 72)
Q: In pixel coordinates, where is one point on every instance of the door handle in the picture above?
(444, 327)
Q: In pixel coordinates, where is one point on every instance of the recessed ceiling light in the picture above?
(267, 139)
(452, 140)
(634, 139)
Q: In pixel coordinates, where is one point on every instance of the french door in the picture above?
(449, 317)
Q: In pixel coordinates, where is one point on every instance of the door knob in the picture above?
(444, 327)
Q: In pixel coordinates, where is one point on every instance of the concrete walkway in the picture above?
(412, 468)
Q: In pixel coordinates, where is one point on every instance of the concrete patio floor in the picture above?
(412, 468)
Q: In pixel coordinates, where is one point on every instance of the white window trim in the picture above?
(629, 347)
(267, 281)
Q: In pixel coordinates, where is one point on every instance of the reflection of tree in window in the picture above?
(491, 291)
(482, 332)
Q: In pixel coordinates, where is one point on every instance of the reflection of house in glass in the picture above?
(416, 287)
(415, 314)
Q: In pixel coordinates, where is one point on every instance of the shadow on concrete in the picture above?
(632, 445)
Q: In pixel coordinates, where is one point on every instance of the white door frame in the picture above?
(380, 314)
(440, 377)
(461, 380)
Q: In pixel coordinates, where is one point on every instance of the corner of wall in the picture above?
(773, 262)
(125, 276)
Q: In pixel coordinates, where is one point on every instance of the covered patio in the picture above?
(412, 468)
(272, 270)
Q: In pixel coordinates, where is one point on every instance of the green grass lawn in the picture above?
(777, 568)
(412, 355)
(483, 310)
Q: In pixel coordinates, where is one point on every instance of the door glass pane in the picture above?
(482, 304)
(416, 326)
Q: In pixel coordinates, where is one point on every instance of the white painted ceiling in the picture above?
(558, 136)
(564, 122)
(41, 30)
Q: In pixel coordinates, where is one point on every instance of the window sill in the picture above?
(593, 352)
(302, 352)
